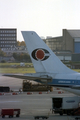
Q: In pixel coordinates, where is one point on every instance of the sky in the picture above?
(46, 17)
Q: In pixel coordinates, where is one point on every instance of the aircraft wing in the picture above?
(30, 77)
(76, 87)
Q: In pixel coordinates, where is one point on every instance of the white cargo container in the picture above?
(22, 64)
(64, 105)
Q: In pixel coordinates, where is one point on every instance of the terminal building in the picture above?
(67, 46)
(8, 38)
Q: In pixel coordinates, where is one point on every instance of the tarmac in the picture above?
(30, 104)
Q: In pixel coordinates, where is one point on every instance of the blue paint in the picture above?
(70, 101)
(77, 47)
(64, 82)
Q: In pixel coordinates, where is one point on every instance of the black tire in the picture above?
(10, 116)
(61, 113)
(17, 115)
(36, 117)
(67, 113)
(3, 116)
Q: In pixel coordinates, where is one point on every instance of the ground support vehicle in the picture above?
(43, 117)
(64, 104)
(10, 112)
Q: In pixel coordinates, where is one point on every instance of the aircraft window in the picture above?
(73, 82)
(77, 81)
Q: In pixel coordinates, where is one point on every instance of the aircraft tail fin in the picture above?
(43, 58)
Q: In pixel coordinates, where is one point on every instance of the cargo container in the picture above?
(27, 86)
(4, 89)
(64, 105)
(10, 112)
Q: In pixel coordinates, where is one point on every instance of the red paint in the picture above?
(14, 93)
(10, 112)
(29, 93)
(59, 92)
(40, 92)
(40, 54)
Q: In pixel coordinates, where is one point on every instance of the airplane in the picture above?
(49, 69)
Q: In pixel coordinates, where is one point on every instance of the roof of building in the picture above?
(74, 33)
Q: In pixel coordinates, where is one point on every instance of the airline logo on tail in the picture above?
(40, 54)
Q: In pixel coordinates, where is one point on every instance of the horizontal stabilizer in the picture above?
(31, 76)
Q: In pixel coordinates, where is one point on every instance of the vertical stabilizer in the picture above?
(43, 59)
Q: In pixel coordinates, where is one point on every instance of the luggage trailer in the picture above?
(10, 112)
